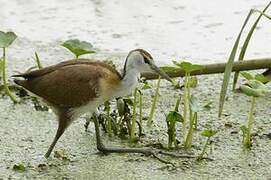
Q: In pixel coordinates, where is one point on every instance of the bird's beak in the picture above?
(161, 73)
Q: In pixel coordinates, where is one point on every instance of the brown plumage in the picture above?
(68, 86)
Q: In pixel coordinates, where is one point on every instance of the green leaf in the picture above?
(189, 67)
(170, 69)
(174, 116)
(208, 133)
(247, 40)
(254, 88)
(228, 68)
(244, 129)
(247, 75)
(208, 105)
(146, 86)
(194, 104)
(261, 78)
(121, 106)
(6, 39)
(193, 82)
(78, 48)
(19, 167)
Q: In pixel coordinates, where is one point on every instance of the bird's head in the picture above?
(142, 61)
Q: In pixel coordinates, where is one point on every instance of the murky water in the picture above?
(202, 32)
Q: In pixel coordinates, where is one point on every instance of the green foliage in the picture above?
(1, 67)
(170, 69)
(246, 42)
(208, 133)
(254, 88)
(230, 62)
(188, 67)
(172, 118)
(78, 47)
(19, 167)
(6, 39)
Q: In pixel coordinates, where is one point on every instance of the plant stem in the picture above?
(177, 104)
(5, 80)
(109, 120)
(186, 102)
(247, 141)
(140, 108)
(38, 60)
(154, 101)
(204, 149)
(188, 140)
(132, 136)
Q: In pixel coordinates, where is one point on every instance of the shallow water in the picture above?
(200, 32)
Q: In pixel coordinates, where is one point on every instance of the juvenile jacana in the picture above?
(75, 87)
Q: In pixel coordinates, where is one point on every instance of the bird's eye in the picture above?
(146, 60)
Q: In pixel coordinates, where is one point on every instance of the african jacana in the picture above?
(75, 87)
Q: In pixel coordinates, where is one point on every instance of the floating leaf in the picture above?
(78, 48)
(247, 75)
(19, 167)
(6, 39)
(208, 133)
(174, 116)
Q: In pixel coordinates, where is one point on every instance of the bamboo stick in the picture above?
(245, 65)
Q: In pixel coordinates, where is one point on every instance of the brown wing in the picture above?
(67, 86)
(49, 69)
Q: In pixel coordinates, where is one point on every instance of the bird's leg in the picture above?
(105, 150)
(63, 123)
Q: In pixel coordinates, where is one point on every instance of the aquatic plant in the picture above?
(133, 126)
(206, 133)
(172, 118)
(37, 59)
(254, 88)
(228, 68)
(78, 47)
(190, 108)
(154, 102)
(6, 39)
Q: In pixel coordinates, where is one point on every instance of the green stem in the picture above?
(109, 120)
(38, 60)
(133, 129)
(150, 119)
(250, 122)
(204, 149)
(188, 141)
(177, 104)
(140, 108)
(186, 102)
(5, 80)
